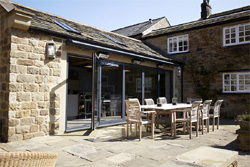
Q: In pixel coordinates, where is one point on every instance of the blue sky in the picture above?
(114, 14)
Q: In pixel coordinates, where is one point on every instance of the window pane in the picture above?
(233, 88)
(227, 31)
(233, 82)
(227, 41)
(241, 28)
(241, 39)
(247, 27)
(226, 88)
(185, 48)
(233, 76)
(233, 36)
(226, 76)
(247, 81)
(241, 87)
(241, 76)
(247, 33)
(227, 36)
(247, 87)
(241, 33)
(241, 81)
(248, 38)
(232, 30)
(247, 76)
(227, 82)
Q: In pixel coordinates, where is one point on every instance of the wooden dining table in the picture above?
(170, 109)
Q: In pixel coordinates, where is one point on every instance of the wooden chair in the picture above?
(26, 159)
(216, 112)
(189, 118)
(162, 100)
(149, 101)
(204, 114)
(134, 116)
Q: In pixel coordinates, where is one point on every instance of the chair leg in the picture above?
(127, 129)
(202, 125)
(136, 129)
(157, 120)
(140, 132)
(213, 123)
(197, 124)
(184, 128)
(190, 130)
(218, 121)
(207, 124)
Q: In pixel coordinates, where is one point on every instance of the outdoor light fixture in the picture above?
(178, 71)
(136, 61)
(51, 49)
(103, 55)
(160, 65)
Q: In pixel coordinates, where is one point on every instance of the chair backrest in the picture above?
(195, 109)
(206, 107)
(162, 100)
(217, 106)
(134, 99)
(149, 101)
(195, 99)
(133, 110)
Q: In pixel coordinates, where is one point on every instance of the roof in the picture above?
(138, 29)
(43, 21)
(215, 19)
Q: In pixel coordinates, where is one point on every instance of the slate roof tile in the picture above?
(43, 21)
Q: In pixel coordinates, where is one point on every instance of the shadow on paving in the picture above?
(233, 147)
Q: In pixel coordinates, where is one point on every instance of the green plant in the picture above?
(246, 118)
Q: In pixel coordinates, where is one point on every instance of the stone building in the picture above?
(216, 53)
(58, 75)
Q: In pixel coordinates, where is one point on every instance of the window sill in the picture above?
(178, 53)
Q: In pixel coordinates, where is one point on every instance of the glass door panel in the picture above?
(151, 84)
(133, 82)
(165, 85)
(79, 99)
(111, 91)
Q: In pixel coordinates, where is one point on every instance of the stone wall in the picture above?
(34, 107)
(206, 58)
(4, 77)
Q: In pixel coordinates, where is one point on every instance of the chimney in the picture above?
(206, 10)
(150, 21)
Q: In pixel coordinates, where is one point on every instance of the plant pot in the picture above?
(244, 125)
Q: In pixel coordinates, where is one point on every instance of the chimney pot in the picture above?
(206, 9)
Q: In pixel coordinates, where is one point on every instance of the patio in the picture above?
(110, 147)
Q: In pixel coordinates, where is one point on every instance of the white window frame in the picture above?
(237, 83)
(177, 39)
(237, 35)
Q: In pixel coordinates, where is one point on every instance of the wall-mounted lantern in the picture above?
(160, 65)
(51, 49)
(178, 71)
(136, 61)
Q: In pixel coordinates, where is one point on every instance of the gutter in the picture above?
(102, 48)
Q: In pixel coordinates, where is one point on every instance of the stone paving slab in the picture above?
(109, 147)
(209, 157)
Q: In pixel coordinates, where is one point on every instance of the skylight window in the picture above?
(65, 26)
(113, 39)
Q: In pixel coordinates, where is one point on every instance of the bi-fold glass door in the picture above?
(97, 90)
